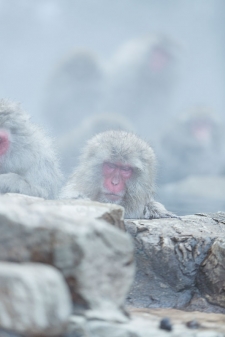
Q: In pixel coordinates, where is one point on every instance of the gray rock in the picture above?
(95, 258)
(113, 214)
(146, 323)
(34, 299)
(212, 284)
(76, 327)
(171, 254)
(206, 321)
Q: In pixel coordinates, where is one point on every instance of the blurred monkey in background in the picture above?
(142, 78)
(74, 92)
(193, 145)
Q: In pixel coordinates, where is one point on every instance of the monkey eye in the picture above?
(108, 168)
(127, 171)
(126, 168)
(110, 165)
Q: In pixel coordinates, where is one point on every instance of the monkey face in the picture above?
(4, 141)
(202, 130)
(159, 60)
(115, 176)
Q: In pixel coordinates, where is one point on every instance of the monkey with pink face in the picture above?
(118, 167)
(28, 164)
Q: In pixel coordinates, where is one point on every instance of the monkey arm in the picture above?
(14, 183)
(70, 192)
(155, 210)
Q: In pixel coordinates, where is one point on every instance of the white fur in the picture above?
(30, 165)
(126, 148)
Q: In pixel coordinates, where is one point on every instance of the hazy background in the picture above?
(36, 35)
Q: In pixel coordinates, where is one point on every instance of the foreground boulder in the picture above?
(113, 214)
(34, 299)
(180, 263)
(95, 258)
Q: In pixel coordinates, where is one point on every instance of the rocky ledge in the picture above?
(68, 269)
(179, 263)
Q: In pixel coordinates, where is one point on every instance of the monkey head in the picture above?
(4, 142)
(119, 169)
(201, 124)
(13, 128)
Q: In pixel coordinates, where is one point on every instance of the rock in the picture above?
(146, 323)
(193, 324)
(212, 284)
(95, 258)
(113, 214)
(171, 254)
(34, 299)
(76, 327)
(165, 324)
(209, 324)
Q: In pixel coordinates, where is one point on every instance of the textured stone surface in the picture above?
(113, 214)
(212, 284)
(171, 255)
(34, 299)
(95, 258)
(207, 321)
(146, 323)
(179, 265)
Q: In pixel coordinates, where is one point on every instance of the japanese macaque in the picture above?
(28, 164)
(142, 77)
(72, 142)
(75, 91)
(118, 167)
(193, 145)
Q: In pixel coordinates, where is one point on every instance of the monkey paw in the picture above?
(155, 210)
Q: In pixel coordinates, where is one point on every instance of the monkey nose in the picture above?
(115, 181)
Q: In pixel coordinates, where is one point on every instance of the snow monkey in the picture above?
(28, 164)
(71, 144)
(118, 167)
(192, 145)
(143, 79)
(75, 91)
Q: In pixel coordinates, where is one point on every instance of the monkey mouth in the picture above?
(113, 196)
